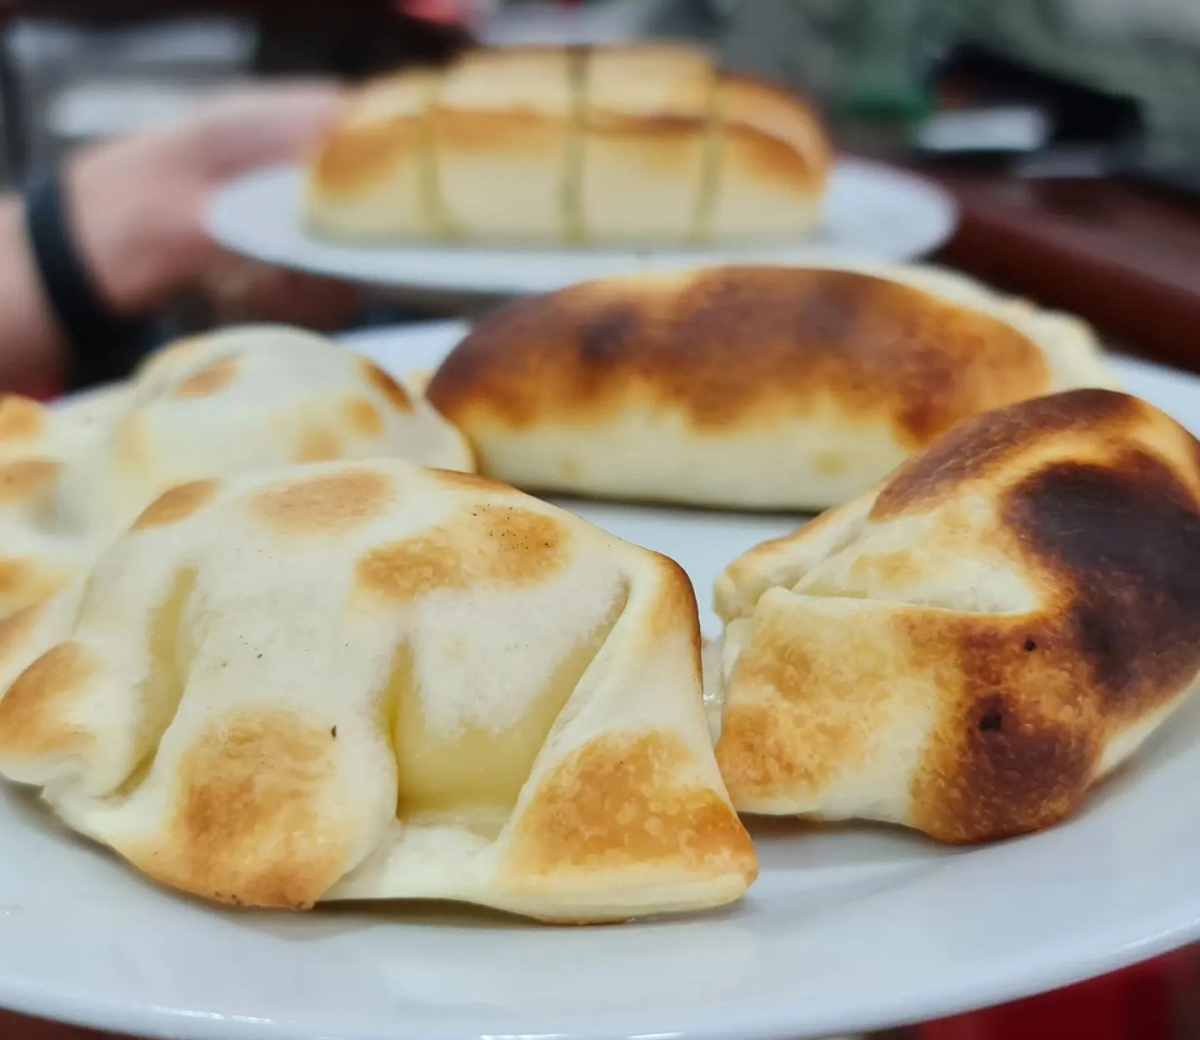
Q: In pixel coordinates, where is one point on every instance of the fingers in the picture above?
(259, 125)
(139, 203)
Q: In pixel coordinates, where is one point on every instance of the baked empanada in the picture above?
(248, 398)
(969, 647)
(746, 387)
(372, 680)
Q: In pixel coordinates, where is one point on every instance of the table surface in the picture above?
(18, 1027)
(1125, 257)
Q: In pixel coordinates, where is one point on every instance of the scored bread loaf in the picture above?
(970, 646)
(631, 144)
(745, 387)
(372, 680)
(235, 401)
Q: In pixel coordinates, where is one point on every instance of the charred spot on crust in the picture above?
(740, 344)
(985, 442)
(1003, 769)
(1114, 540)
(609, 336)
(1126, 540)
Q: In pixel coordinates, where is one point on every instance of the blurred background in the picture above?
(1068, 131)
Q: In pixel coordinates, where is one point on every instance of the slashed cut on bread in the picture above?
(373, 680)
(745, 387)
(969, 647)
(648, 143)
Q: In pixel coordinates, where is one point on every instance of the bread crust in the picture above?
(646, 143)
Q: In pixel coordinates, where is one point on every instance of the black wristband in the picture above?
(102, 346)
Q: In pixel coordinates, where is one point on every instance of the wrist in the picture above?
(31, 343)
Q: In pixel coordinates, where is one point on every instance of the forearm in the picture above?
(134, 213)
(31, 347)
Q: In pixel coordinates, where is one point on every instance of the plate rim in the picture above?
(765, 1022)
(224, 225)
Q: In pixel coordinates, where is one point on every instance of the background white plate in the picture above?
(870, 209)
(848, 927)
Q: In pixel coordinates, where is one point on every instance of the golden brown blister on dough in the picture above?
(35, 714)
(363, 417)
(318, 444)
(804, 694)
(396, 395)
(209, 380)
(250, 821)
(23, 479)
(619, 802)
(324, 504)
(177, 504)
(17, 628)
(492, 545)
(26, 580)
(21, 418)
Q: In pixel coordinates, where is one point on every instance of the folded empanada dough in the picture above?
(746, 387)
(236, 401)
(371, 680)
(967, 648)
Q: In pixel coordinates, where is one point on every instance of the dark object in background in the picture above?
(1000, 113)
(341, 38)
(350, 41)
(1081, 123)
(348, 38)
(12, 115)
(1178, 179)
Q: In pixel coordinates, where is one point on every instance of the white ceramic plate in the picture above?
(848, 927)
(871, 210)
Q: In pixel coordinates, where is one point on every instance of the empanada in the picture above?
(745, 387)
(371, 680)
(969, 647)
(236, 401)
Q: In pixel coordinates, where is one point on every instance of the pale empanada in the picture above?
(371, 680)
(746, 387)
(969, 647)
(230, 402)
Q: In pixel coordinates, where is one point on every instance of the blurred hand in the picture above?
(138, 203)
